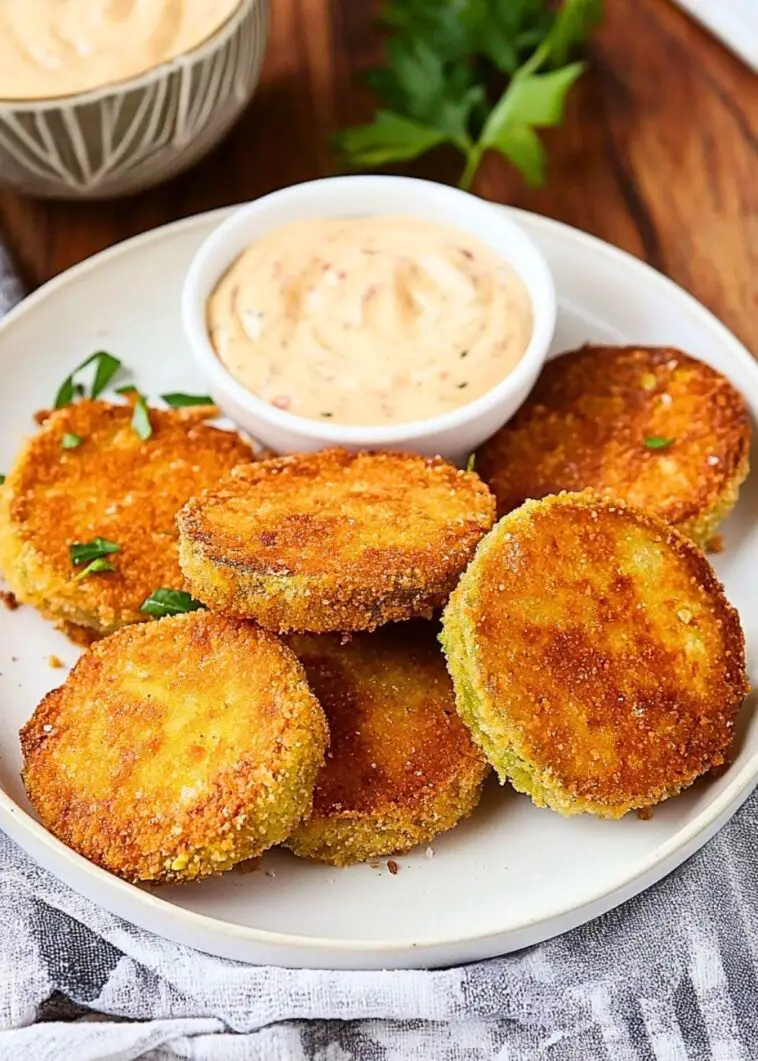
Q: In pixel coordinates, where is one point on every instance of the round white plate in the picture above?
(510, 876)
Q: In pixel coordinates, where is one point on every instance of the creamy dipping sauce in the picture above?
(371, 320)
(51, 48)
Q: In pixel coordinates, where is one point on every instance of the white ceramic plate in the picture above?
(512, 874)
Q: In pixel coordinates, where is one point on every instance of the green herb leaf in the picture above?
(657, 442)
(177, 400)
(162, 602)
(533, 101)
(84, 552)
(471, 462)
(65, 393)
(106, 368)
(141, 419)
(2, 479)
(70, 440)
(94, 567)
(128, 388)
(572, 26)
(389, 138)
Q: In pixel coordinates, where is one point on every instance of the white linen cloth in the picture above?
(670, 976)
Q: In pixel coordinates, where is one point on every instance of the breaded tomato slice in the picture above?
(595, 657)
(650, 426)
(333, 541)
(401, 766)
(176, 749)
(112, 485)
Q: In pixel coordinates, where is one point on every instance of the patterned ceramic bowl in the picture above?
(125, 137)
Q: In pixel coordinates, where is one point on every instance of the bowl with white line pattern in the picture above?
(125, 137)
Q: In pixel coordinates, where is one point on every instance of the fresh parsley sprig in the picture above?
(476, 74)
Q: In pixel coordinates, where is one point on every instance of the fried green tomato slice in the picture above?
(333, 541)
(401, 766)
(176, 749)
(595, 657)
(112, 485)
(650, 426)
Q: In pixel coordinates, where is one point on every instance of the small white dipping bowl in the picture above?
(453, 434)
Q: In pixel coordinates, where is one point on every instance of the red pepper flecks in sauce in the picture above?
(372, 320)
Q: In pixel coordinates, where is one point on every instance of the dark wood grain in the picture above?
(658, 153)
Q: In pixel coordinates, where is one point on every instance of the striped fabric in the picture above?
(670, 976)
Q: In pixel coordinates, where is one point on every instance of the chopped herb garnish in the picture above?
(178, 400)
(464, 353)
(2, 479)
(85, 552)
(97, 565)
(106, 367)
(326, 415)
(71, 441)
(141, 419)
(462, 385)
(162, 602)
(471, 462)
(657, 442)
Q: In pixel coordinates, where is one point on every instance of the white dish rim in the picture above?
(661, 861)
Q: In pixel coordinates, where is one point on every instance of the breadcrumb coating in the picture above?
(401, 766)
(647, 425)
(113, 485)
(333, 541)
(176, 749)
(594, 656)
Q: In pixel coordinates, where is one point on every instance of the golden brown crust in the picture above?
(176, 749)
(586, 422)
(333, 540)
(401, 766)
(115, 486)
(595, 655)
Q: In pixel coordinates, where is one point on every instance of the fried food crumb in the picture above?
(588, 424)
(716, 544)
(55, 662)
(645, 814)
(582, 684)
(117, 486)
(159, 760)
(41, 415)
(393, 867)
(10, 600)
(333, 541)
(402, 767)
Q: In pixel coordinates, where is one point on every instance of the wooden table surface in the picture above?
(658, 154)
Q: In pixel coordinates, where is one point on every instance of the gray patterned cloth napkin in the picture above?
(670, 976)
